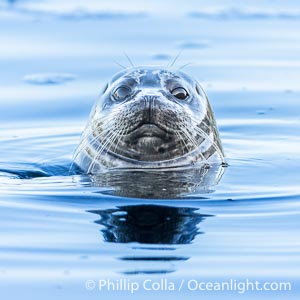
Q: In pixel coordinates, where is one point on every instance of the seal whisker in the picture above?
(175, 59)
(120, 65)
(182, 142)
(129, 59)
(99, 151)
(192, 140)
(85, 141)
(89, 126)
(109, 142)
(85, 136)
(112, 141)
(184, 66)
(213, 142)
(120, 133)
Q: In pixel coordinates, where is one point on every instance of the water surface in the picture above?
(59, 230)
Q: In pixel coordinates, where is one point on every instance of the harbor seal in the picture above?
(150, 118)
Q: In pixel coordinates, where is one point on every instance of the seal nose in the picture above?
(149, 107)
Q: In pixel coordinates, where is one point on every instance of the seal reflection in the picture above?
(160, 184)
(155, 228)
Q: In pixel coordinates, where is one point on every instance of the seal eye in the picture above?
(122, 92)
(180, 93)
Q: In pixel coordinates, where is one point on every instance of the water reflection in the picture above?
(156, 228)
(160, 184)
(150, 224)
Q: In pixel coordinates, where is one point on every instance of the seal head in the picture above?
(150, 117)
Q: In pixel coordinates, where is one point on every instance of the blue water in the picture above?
(60, 230)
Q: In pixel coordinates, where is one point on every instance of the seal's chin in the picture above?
(149, 142)
(150, 139)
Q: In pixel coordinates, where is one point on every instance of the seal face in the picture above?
(150, 117)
